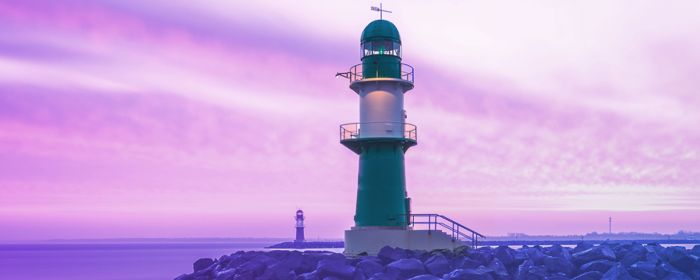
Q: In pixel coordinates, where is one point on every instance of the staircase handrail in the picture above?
(454, 228)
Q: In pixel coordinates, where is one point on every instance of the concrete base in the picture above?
(371, 240)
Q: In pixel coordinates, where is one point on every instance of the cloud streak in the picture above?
(146, 111)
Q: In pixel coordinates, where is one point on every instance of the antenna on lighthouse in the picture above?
(380, 10)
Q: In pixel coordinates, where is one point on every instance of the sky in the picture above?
(220, 118)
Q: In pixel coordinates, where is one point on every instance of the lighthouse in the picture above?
(381, 139)
(299, 217)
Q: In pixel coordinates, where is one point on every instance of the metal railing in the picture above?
(355, 73)
(455, 229)
(378, 129)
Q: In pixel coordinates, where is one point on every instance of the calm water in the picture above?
(114, 261)
(142, 261)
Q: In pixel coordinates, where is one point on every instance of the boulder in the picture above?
(226, 274)
(387, 275)
(483, 255)
(286, 266)
(251, 268)
(582, 246)
(369, 267)
(335, 268)
(309, 261)
(499, 270)
(601, 252)
(505, 254)
(680, 259)
(599, 265)
(406, 268)
(437, 265)
(676, 275)
(390, 254)
(184, 277)
(528, 271)
(558, 264)
(591, 275)
(480, 273)
(653, 257)
(617, 272)
(634, 254)
(425, 277)
(696, 250)
(202, 263)
(465, 262)
(535, 254)
(307, 276)
(461, 250)
(557, 276)
(643, 270)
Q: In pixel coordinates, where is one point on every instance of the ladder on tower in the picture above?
(437, 222)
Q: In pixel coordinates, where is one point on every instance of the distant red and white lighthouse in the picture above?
(300, 226)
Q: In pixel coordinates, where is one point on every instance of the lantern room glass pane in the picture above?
(384, 47)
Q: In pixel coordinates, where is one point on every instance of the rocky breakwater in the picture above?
(584, 262)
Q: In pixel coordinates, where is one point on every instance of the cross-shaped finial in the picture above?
(380, 10)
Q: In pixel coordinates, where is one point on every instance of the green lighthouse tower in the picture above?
(382, 136)
(381, 139)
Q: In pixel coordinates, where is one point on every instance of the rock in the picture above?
(307, 276)
(582, 246)
(184, 277)
(309, 261)
(437, 265)
(406, 268)
(528, 271)
(225, 274)
(369, 267)
(521, 273)
(483, 255)
(557, 276)
(425, 277)
(461, 250)
(653, 257)
(617, 272)
(387, 275)
(505, 254)
(677, 275)
(696, 250)
(264, 259)
(202, 263)
(536, 255)
(286, 266)
(680, 259)
(250, 269)
(335, 268)
(558, 264)
(601, 266)
(643, 270)
(499, 270)
(519, 257)
(480, 273)
(389, 254)
(601, 252)
(465, 262)
(663, 269)
(591, 275)
(634, 254)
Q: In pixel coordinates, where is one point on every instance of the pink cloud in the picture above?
(110, 112)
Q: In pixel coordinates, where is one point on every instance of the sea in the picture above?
(121, 260)
(113, 261)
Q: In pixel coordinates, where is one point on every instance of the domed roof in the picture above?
(380, 30)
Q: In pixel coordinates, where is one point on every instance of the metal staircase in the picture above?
(436, 222)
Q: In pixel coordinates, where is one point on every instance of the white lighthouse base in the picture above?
(371, 240)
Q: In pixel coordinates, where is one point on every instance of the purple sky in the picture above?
(220, 118)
